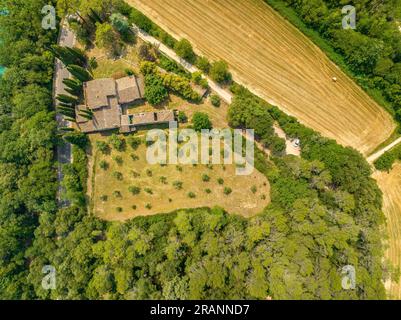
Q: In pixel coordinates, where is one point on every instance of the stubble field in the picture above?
(277, 62)
(390, 184)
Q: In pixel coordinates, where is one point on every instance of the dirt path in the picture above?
(224, 94)
(66, 38)
(379, 153)
(278, 63)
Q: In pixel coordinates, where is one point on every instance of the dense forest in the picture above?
(325, 210)
(371, 53)
(27, 139)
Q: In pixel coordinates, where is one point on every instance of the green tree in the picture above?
(117, 142)
(215, 100)
(184, 50)
(77, 138)
(182, 117)
(155, 91)
(107, 38)
(80, 73)
(219, 72)
(201, 121)
(203, 64)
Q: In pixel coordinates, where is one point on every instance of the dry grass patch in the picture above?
(115, 194)
(275, 60)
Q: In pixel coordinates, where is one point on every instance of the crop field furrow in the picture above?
(277, 62)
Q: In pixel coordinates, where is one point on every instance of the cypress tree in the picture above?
(74, 86)
(67, 105)
(80, 73)
(66, 112)
(94, 16)
(79, 56)
(67, 99)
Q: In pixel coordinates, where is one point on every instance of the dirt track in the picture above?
(390, 184)
(277, 62)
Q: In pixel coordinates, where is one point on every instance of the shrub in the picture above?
(148, 68)
(155, 91)
(148, 190)
(215, 100)
(118, 160)
(183, 48)
(129, 72)
(149, 172)
(227, 190)
(147, 52)
(118, 175)
(177, 185)
(208, 191)
(148, 206)
(134, 207)
(117, 142)
(205, 178)
(203, 64)
(134, 142)
(219, 72)
(134, 157)
(135, 174)
(103, 147)
(172, 66)
(103, 165)
(196, 77)
(254, 189)
(191, 195)
(149, 142)
(179, 168)
(181, 86)
(103, 198)
(220, 181)
(201, 121)
(163, 180)
(117, 194)
(134, 190)
(203, 83)
(119, 209)
(182, 117)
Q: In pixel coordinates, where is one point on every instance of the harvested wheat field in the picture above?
(390, 184)
(277, 62)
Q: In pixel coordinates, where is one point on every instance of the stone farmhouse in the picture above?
(107, 99)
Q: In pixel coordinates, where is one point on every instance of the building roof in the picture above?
(145, 118)
(129, 89)
(151, 117)
(105, 97)
(97, 91)
(105, 118)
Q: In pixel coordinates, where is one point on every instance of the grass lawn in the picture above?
(107, 68)
(112, 200)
